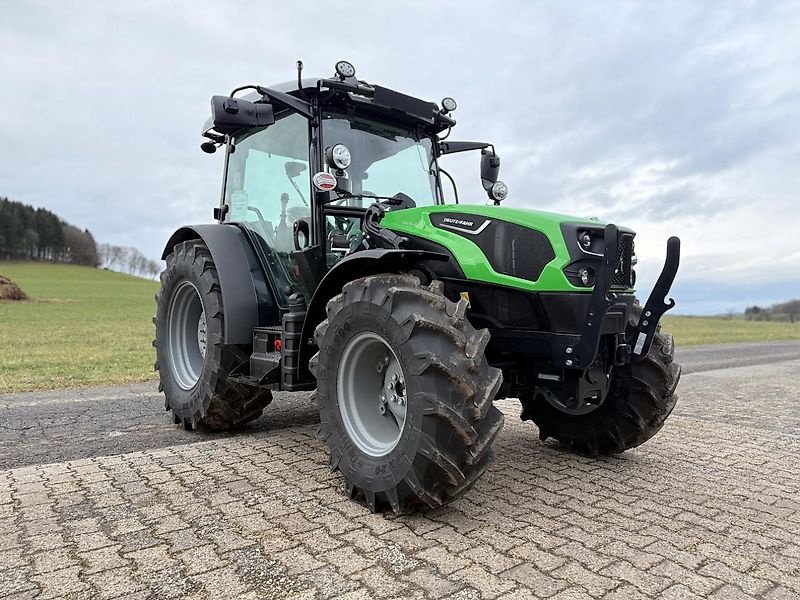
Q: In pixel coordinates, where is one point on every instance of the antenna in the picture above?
(300, 80)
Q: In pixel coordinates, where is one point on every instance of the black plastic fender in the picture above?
(354, 266)
(247, 298)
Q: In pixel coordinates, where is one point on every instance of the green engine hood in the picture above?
(470, 257)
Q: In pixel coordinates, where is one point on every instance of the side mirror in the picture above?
(490, 168)
(293, 168)
(230, 115)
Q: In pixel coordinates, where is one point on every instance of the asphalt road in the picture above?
(725, 356)
(44, 427)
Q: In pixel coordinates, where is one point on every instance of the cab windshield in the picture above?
(386, 160)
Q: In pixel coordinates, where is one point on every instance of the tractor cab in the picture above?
(305, 160)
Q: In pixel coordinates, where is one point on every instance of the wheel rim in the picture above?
(372, 395)
(186, 347)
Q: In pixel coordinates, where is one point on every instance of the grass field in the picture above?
(89, 327)
(691, 331)
(84, 327)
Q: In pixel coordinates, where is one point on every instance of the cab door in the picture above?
(267, 189)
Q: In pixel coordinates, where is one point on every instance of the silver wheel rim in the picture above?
(186, 332)
(371, 390)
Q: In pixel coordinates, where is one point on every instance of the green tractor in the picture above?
(336, 265)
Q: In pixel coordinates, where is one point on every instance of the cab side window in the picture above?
(268, 180)
(267, 190)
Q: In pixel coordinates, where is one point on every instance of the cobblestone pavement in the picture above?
(709, 507)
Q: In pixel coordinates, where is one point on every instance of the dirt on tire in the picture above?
(641, 397)
(215, 402)
(10, 290)
(447, 442)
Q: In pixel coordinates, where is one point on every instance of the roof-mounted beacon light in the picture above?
(345, 70)
(448, 105)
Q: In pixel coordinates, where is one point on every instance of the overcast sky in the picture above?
(671, 118)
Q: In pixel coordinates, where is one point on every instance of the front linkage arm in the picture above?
(641, 338)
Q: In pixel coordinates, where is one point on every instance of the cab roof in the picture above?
(383, 103)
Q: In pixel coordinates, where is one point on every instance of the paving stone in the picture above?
(102, 559)
(380, 581)
(13, 581)
(328, 583)
(441, 559)
(531, 578)
(434, 583)
(644, 581)
(348, 560)
(708, 508)
(699, 585)
(576, 574)
(199, 559)
(63, 583)
(490, 586)
(493, 561)
(729, 592)
(154, 558)
(114, 583)
(298, 560)
(221, 583)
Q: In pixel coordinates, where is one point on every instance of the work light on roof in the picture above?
(345, 69)
(448, 104)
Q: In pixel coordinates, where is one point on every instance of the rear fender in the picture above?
(246, 296)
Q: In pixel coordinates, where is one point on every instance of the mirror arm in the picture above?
(453, 147)
(287, 100)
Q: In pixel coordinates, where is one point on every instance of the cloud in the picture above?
(679, 118)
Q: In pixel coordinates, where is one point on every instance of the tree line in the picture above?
(28, 233)
(785, 311)
(126, 259)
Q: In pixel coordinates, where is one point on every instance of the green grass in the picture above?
(83, 327)
(691, 331)
(91, 327)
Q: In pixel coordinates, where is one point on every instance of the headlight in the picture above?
(587, 275)
(338, 157)
(586, 240)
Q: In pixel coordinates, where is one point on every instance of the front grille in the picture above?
(623, 271)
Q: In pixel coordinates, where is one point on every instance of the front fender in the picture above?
(355, 266)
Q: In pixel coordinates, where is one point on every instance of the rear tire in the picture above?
(191, 358)
(442, 441)
(641, 397)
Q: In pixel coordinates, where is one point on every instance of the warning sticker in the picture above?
(640, 343)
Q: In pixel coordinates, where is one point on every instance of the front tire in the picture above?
(192, 360)
(434, 440)
(641, 397)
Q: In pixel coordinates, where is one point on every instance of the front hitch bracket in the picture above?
(582, 354)
(641, 338)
